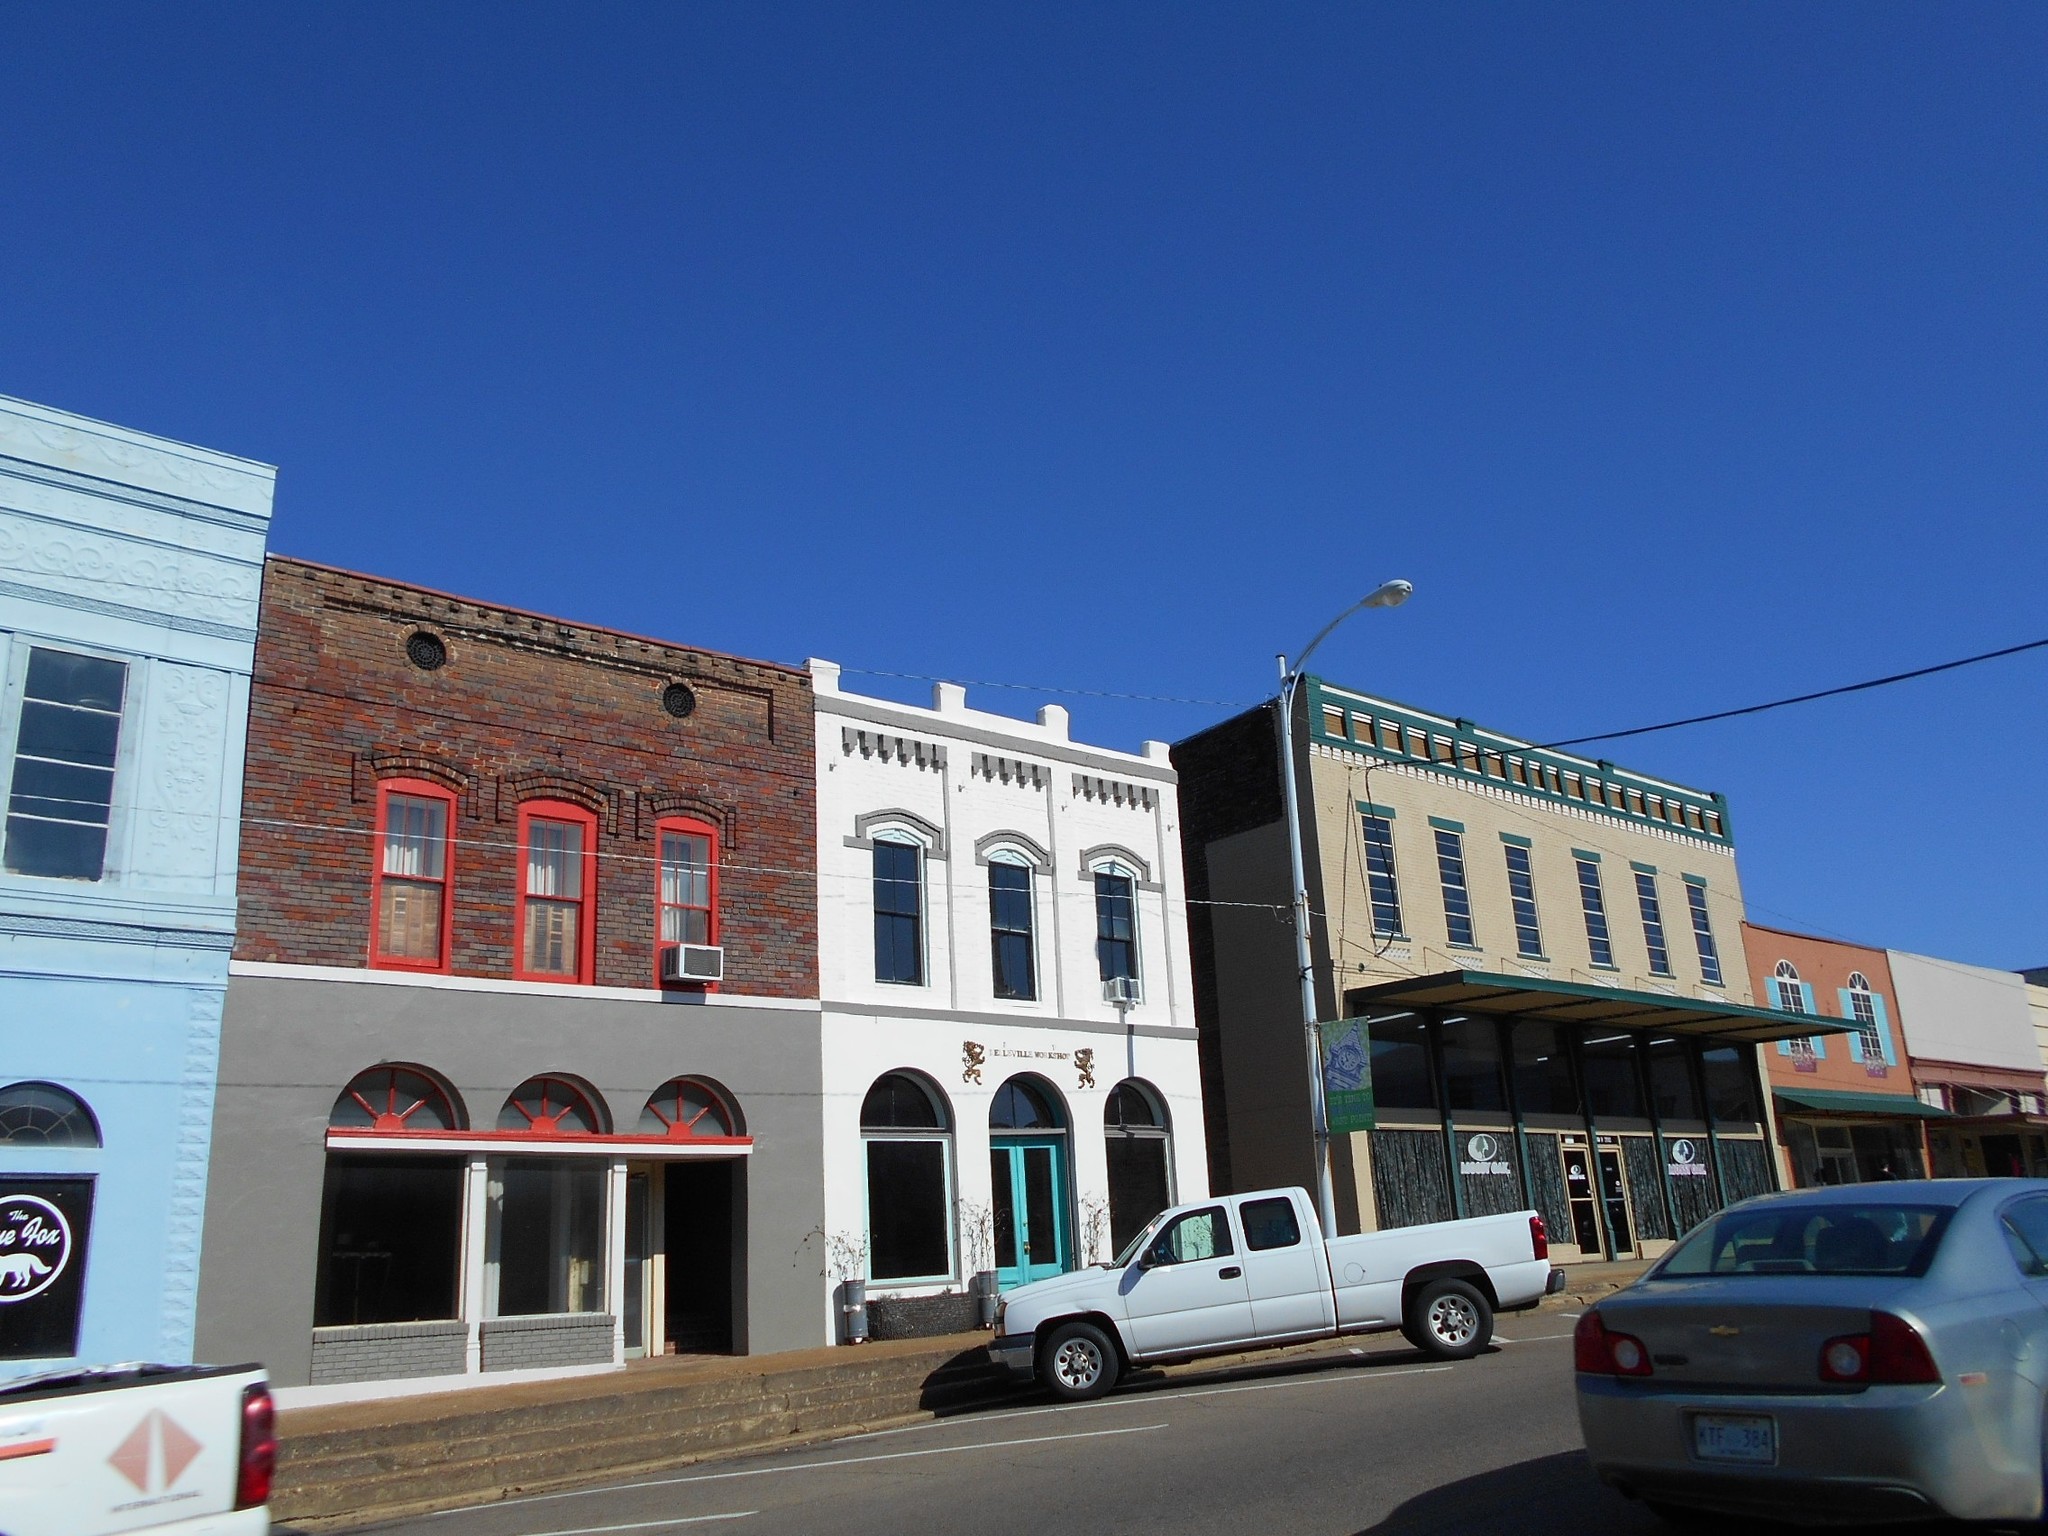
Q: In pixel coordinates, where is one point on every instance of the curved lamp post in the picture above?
(1391, 595)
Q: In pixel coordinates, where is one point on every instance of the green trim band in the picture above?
(1443, 825)
(1641, 868)
(1386, 812)
(1588, 855)
(1516, 840)
(1698, 880)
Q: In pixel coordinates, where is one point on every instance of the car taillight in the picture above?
(1539, 1237)
(259, 1447)
(1892, 1354)
(1597, 1352)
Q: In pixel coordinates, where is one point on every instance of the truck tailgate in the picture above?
(126, 1454)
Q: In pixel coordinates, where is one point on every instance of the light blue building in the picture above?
(129, 575)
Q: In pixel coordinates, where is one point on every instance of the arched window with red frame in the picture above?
(552, 1106)
(412, 877)
(686, 887)
(394, 1098)
(688, 1109)
(557, 937)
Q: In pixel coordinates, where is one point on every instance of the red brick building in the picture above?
(455, 1079)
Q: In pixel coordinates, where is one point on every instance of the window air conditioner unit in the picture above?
(1124, 991)
(692, 962)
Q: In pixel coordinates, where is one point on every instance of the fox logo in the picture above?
(18, 1271)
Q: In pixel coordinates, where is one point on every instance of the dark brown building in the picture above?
(520, 1060)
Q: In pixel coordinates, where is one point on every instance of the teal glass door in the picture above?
(1028, 1180)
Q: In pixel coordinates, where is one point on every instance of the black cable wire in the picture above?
(1803, 698)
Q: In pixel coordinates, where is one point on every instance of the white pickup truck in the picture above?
(1245, 1271)
(176, 1450)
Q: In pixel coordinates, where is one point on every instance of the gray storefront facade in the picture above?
(434, 1176)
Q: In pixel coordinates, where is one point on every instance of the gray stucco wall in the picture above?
(289, 1045)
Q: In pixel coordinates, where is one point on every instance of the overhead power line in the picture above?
(1801, 698)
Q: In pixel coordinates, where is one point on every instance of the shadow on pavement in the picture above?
(1559, 1496)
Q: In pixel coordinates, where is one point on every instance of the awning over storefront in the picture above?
(1565, 1002)
(1833, 1102)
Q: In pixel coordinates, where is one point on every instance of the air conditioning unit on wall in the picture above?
(1124, 991)
(692, 962)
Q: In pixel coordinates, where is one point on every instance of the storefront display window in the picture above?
(1613, 1091)
(1134, 1131)
(390, 1239)
(1472, 1075)
(549, 1236)
(1671, 1081)
(1543, 1071)
(1731, 1086)
(1401, 1075)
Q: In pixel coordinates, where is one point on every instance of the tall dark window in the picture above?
(1009, 921)
(1703, 934)
(1653, 923)
(908, 1144)
(1522, 898)
(1731, 1086)
(549, 1236)
(1135, 1136)
(1671, 1084)
(1450, 868)
(61, 800)
(899, 914)
(1380, 884)
(1116, 927)
(1598, 942)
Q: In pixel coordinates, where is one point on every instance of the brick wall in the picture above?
(523, 706)
(534, 1343)
(386, 1351)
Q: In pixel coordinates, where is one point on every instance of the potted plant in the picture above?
(846, 1264)
(977, 1254)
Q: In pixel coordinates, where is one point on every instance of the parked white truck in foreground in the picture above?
(176, 1450)
(1246, 1271)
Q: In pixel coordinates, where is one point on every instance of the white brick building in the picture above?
(983, 883)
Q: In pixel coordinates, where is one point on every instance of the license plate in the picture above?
(1747, 1437)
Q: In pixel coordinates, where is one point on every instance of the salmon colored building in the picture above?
(1847, 1112)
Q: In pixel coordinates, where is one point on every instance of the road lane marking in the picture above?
(811, 1466)
(1541, 1338)
(1298, 1381)
(650, 1524)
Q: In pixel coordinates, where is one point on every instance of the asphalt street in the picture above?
(1368, 1438)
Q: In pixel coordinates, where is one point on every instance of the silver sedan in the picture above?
(1846, 1356)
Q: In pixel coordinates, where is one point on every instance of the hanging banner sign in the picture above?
(1347, 1075)
(43, 1228)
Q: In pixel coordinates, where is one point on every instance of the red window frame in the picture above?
(421, 789)
(586, 901)
(695, 828)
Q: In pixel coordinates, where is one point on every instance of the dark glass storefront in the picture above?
(1624, 1119)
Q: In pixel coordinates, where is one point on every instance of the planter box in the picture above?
(921, 1317)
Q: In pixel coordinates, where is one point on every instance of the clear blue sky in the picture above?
(1682, 356)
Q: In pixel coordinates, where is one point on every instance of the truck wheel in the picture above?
(1449, 1319)
(1078, 1363)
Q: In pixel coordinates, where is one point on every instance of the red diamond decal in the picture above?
(131, 1456)
(179, 1449)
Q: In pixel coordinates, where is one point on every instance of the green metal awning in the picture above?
(1569, 1002)
(1839, 1102)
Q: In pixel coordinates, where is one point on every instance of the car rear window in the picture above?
(1860, 1238)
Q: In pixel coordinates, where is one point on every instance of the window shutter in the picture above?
(1849, 1013)
(1884, 1030)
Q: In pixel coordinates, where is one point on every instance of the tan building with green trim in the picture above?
(1545, 951)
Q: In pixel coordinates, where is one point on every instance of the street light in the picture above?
(1392, 594)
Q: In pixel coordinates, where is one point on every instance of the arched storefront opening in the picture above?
(683, 1212)
(391, 1221)
(1137, 1140)
(906, 1132)
(1030, 1170)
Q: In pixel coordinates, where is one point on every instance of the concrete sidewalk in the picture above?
(346, 1464)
